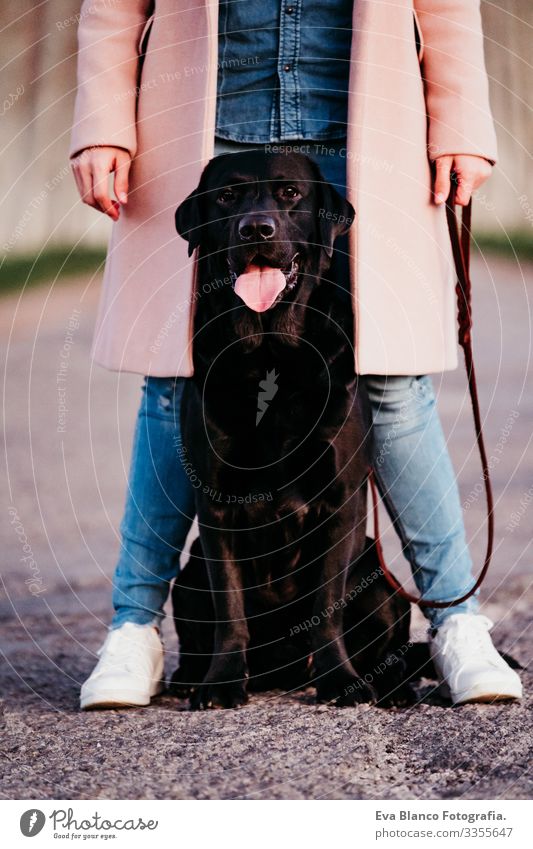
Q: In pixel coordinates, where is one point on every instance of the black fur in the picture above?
(281, 496)
(375, 630)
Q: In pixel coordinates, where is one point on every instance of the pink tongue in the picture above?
(259, 286)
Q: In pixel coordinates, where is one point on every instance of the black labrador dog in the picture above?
(283, 589)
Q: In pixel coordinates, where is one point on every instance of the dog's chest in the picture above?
(263, 409)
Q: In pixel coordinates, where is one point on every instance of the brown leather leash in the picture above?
(460, 238)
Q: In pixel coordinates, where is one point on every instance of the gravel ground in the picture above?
(280, 746)
(65, 492)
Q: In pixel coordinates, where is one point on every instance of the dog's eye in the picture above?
(289, 192)
(226, 196)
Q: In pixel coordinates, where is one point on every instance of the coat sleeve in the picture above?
(455, 79)
(108, 66)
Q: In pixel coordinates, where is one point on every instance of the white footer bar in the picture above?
(267, 824)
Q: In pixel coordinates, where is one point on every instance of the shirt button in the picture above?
(287, 68)
(289, 10)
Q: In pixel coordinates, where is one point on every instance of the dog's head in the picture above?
(270, 219)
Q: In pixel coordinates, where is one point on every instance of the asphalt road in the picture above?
(67, 436)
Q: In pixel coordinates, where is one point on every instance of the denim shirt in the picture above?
(283, 69)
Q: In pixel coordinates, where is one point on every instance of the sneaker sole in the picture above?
(466, 698)
(480, 695)
(119, 699)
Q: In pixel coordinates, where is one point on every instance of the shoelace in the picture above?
(474, 636)
(123, 651)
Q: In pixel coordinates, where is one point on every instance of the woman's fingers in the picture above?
(92, 168)
(78, 179)
(101, 167)
(122, 168)
(469, 173)
(465, 187)
(441, 188)
(82, 174)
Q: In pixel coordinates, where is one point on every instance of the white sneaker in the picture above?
(468, 665)
(130, 669)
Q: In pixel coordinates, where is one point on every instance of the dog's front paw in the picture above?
(219, 696)
(178, 687)
(345, 691)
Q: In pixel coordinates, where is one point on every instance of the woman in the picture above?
(389, 98)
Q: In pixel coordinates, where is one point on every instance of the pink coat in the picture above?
(405, 109)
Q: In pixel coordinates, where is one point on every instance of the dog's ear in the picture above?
(189, 218)
(335, 214)
(191, 215)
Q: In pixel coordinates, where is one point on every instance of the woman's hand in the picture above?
(92, 168)
(471, 172)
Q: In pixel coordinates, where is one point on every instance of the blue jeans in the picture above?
(413, 469)
(417, 483)
(159, 507)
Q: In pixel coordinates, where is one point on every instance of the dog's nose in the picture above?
(256, 227)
